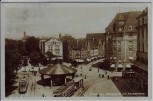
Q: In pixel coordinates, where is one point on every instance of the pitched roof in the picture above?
(95, 36)
(57, 69)
(78, 44)
(67, 38)
(130, 20)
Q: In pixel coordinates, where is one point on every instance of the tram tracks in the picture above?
(87, 85)
(33, 86)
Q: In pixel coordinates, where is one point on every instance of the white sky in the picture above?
(50, 19)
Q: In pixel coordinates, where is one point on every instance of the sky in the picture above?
(51, 19)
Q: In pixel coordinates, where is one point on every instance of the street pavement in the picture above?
(93, 84)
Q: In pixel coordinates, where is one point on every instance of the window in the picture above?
(130, 49)
(142, 20)
(114, 49)
(130, 28)
(114, 42)
(130, 43)
(138, 22)
(130, 34)
(119, 42)
(119, 49)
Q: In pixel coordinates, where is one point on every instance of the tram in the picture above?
(23, 85)
(69, 88)
(65, 90)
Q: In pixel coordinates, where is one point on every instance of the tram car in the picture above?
(23, 85)
(65, 90)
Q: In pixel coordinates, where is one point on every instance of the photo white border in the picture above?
(150, 36)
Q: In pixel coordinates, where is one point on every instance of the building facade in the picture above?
(122, 40)
(141, 64)
(53, 45)
(95, 43)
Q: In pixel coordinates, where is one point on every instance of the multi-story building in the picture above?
(53, 45)
(141, 64)
(95, 43)
(122, 40)
(78, 49)
(68, 43)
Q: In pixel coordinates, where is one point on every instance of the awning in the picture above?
(78, 79)
(110, 57)
(88, 59)
(112, 65)
(128, 66)
(120, 66)
(131, 58)
(114, 57)
(79, 60)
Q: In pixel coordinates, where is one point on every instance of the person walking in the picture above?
(108, 77)
(106, 73)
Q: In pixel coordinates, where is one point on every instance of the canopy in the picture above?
(112, 65)
(120, 66)
(128, 66)
(57, 69)
(88, 59)
(79, 60)
(131, 58)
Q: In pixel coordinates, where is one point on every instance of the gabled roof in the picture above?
(130, 20)
(95, 36)
(67, 38)
(52, 38)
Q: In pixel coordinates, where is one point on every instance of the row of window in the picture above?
(130, 49)
(53, 43)
(119, 42)
(142, 21)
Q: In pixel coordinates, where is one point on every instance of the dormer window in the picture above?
(130, 28)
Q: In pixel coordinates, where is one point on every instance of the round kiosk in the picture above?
(57, 73)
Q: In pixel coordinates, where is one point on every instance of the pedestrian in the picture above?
(106, 73)
(99, 75)
(98, 95)
(85, 77)
(108, 77)
(43, 95)
(102, 75)
(98, 70)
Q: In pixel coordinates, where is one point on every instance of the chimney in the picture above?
(93, 39)
(60, 36)
(24, 33)
(77, 42)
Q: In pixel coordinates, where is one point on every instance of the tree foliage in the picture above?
(13, 59)
(32, 45)
(44, 61)
(49, 56)
(34, 58)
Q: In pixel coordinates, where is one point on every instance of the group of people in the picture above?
(102, 75)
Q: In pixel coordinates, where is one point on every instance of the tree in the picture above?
(21, 48)
(25, 62)
(65, 51)
(12, 62)
(44, 61)
(49, 56)
(32, 45)
(34, 58)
